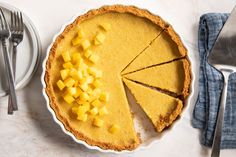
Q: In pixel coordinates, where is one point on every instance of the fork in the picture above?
(4, 35)
(17, 31)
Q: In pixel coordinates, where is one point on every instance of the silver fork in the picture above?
(17, 31)
(4, 35)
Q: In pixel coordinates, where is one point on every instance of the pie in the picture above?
(84, 74)
(173, 77)
(165, 48)
(161, 108)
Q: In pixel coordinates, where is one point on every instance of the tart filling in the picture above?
(165, 48)
(162, 109)
(171, 77)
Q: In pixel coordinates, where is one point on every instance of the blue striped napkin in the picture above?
(210, 87)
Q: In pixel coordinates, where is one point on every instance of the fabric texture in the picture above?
(210, 87)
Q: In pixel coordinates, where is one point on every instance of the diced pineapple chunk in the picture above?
(66, 56)
(89, 91)
(96, 83)
(96, 42)
(98, 122)
(78, 92)
(82, 67)
(96, 103)
(76, 41)
(95, 72)
(98, 74)
(67, 65)
(77, 75)
(72, 90)
(80, 101)
(76, 58)
(92, 70)
(100, 37)
(104, 96)
(76, 83)
(80, 33)
(103, 111)
(106, 26)
(69, 82)
(94, 111)
(85, 44)
(84, 96)
(84, 86)
(82, 117)
(85, 73)
(114, 128)
(83, 80)
(86, 106)
(60, 84)
(68, 98)
(83, 108)
(72, 72)
(80, 75)
(96, 93)
(94, 58)
(64, 73)
(89, 79)
(88, 53)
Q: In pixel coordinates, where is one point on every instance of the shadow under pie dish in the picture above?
(88, 62)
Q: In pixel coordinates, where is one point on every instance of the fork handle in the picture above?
(9, 72)
(220, 117)
(13, 61)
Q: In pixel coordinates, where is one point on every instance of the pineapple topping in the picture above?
(80, 80)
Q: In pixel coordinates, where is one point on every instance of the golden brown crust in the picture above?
(175, 37)
(49, 87)
(187, 79)
(186, 64)
(168, 120)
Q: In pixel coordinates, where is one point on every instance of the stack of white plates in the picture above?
(28, 53)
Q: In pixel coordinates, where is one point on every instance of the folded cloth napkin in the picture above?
(210, 87)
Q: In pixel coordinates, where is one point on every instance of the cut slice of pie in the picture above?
(162, 109)
(172, 77)
(165, 48)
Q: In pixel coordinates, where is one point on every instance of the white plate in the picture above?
(28, 53)
(142, 124)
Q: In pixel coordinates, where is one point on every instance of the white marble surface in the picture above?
(32, 132)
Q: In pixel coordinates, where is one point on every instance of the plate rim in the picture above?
(141, 146)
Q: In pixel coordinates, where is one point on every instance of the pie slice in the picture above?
(165, 48)
(162, 109)
(172, 77)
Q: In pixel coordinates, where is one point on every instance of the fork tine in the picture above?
(21, 21)
(4, 21)
(1, 19)
(16, 21)
(12, 22)
(1, 22)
